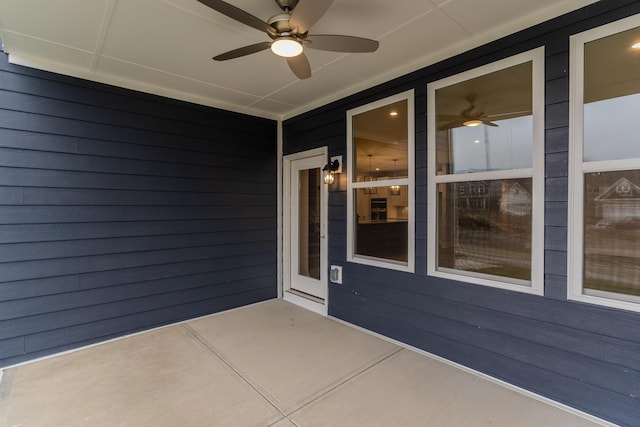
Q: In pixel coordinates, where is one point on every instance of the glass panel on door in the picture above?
(309, 185)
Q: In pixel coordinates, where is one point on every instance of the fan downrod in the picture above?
(287, 5)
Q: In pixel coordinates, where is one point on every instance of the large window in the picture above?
(486, 174)
(380, 146)
(604, 234)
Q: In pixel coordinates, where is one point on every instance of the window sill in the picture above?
(515, 285)
(603, 299)
(382, 263)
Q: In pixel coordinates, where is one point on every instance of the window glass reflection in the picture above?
(612, 232)
(486, 123)
(611, 128)
(611, 198)
(488, 148)
(611, 97)
(485, 227)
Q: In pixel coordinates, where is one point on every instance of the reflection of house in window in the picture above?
(619, 203)
(472, 195)
(515, 199)
(623, 188)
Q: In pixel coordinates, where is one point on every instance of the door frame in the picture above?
(287, 295)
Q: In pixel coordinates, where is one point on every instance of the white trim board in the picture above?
(280, 209)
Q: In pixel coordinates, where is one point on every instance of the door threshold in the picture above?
(306, 295)
(306, 301)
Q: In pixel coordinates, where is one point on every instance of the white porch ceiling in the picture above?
(165, 46)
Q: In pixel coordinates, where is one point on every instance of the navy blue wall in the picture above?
(584, 356)
(121, 211)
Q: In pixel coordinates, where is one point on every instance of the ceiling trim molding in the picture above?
(135, 85)
(103, 32)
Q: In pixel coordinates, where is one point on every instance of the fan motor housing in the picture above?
(280, 22)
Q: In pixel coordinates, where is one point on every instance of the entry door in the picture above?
(306, 217)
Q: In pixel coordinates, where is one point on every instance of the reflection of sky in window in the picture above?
(484, 148)
(611, 128)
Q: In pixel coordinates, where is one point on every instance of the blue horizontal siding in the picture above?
(582, 355)
(121, 211)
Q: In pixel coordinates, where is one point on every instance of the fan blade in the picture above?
(451, 125)
(237, 14)
(512, 115)
(243, 51)
(448, 117)
(474, 111)
(489, 123)
(336, 43)
(300, 66)
(306, 13)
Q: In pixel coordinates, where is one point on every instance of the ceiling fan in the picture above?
(474, 115)
(289, 32)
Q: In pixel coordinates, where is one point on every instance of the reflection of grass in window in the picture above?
(607, 286)
(507, 271)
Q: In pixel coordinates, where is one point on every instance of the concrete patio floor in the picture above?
(269, 364)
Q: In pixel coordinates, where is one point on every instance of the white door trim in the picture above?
(279, 210)
(287, 295)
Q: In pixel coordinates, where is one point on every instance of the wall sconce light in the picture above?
(331, 169)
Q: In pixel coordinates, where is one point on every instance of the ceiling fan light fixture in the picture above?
(636, 46)
(286, 47)
(472, 123)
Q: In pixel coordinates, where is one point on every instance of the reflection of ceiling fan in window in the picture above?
(475, 115)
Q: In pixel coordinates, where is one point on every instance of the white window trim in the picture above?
(408, 266)
(577, 168)
(536, 285)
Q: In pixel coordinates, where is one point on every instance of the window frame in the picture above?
(578, 167)
(535, 172)
(409, 181)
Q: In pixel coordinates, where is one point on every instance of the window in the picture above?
(486, 174)
(604, 227)
(380, 187)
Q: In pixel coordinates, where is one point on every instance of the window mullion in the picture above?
(485, 176)
(380, 183)
(610, 165)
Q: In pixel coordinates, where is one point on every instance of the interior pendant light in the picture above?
(370, 190)
(286, 47)
(395, 189)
